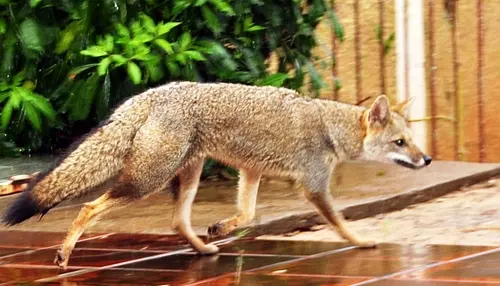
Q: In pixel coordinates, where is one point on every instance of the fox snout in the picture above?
(424, 161)
(412, 162)
(427, 160)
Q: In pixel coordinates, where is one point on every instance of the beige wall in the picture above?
(467, 50)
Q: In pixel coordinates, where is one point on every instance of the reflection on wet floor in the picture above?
(28, 256)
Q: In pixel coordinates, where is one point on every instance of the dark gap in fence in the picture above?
(480, 99)
(334, 57)
(432, 80)
(452, 10)
(406, 59)
(357, 44)
(382, 46)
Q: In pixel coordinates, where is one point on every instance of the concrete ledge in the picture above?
(306, 220)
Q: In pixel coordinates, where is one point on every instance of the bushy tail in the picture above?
(99, 157)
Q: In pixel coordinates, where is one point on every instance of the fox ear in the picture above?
(379, 113)
(402, 107)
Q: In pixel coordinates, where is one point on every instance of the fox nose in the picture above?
(427, 160)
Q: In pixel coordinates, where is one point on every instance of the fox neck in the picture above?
(345, 127)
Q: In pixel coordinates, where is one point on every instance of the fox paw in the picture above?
(61, 260)
(208, 249)
(366, 244)
(219, 229)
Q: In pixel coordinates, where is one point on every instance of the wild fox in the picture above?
(161, 137)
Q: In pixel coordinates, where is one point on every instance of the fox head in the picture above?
(388, 136)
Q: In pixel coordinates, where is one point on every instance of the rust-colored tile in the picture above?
(155, 242)
(22, 275)
(417, 253)
(34, 239)
(28, 239)
(278, 280)
(124, 277)
(198, 267)
(8, 251)
(419, 282)
(80, 258)
(276, 247)
(485, 268)
(358, 262)
(131, 241)
(383, 260)
(447, 252)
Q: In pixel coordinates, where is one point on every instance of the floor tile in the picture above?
(357, 262)
(137, 242)
(419, 253)
(279, 280)
(124, 277)
(202, 267)
(28, 239)
(8, 251)
(482, 268)
(81, 258)
(26, 274)
(293, 248)
(404, 282)
(447, 252)
(174, 270)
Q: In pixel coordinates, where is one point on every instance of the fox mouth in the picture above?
(405, 164)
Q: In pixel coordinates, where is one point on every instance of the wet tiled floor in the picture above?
(147, 259)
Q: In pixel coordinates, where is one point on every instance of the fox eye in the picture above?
(399, 142)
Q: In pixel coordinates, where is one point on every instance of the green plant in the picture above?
(7, 147)
(133, 47)
(66, 63)
(388, 42)
(19, 98)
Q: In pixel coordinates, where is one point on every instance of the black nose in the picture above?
(427, 160)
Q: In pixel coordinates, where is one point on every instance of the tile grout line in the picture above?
(147, 258)
(192, 252)
(321, 254)
(249, 271)
(50, 247)
(38, 266)
(314, 275)
(481, 282)
(427, 266)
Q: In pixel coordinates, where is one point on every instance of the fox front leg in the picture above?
(248, 187)
(188, 186)
(317, 192)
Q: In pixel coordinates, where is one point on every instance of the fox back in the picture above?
(277, 130)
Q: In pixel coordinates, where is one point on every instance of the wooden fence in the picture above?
(462, 69)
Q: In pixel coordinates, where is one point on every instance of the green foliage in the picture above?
(7, 147)
(66, 63)
(388, 42)
(336, 26)
(20, 98)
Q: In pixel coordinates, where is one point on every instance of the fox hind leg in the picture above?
(89, 214)
(189, 178)
(248, 187)
(145, 172)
